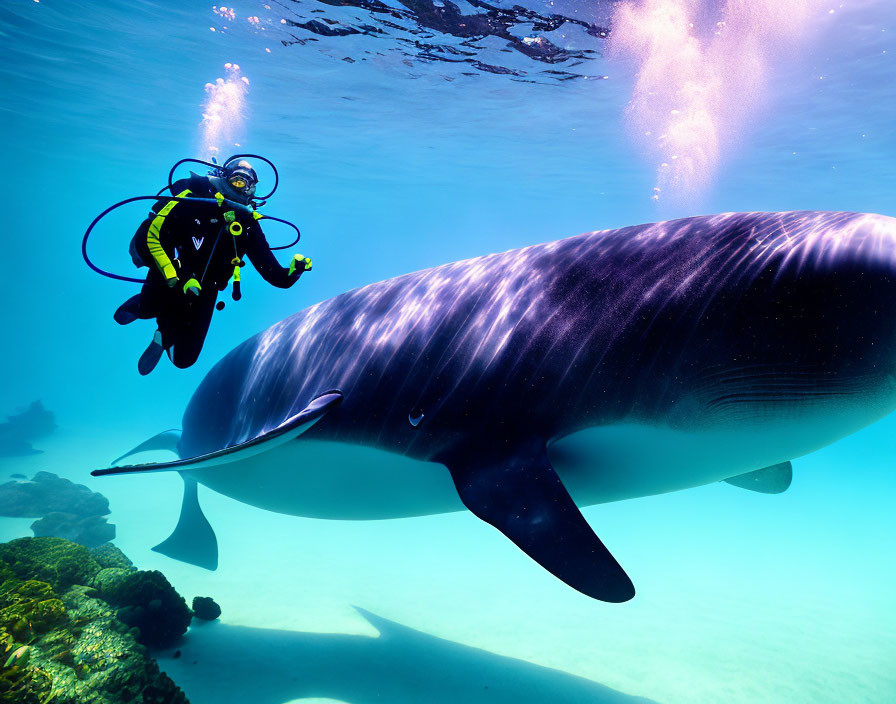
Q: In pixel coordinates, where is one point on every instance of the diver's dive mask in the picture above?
(239, 182)
(242, 178)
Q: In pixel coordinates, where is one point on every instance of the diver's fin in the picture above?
(521, 495)
(288, 430)
(166, 440)
(193, 540)
(768, 480)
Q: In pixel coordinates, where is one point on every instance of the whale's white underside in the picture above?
(320, 479)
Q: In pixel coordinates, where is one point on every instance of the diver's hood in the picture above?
(228, 191)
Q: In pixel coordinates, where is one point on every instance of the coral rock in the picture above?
(56, 561)
(148, 601)
(108, 555)
(205, 608)
(108, 579)
(29, 608)
(69, 647)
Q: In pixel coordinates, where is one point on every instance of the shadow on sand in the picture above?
(224, 664)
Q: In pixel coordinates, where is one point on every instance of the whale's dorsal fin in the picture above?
(520, 494)
(768, 480)
(288, 430)
(166, 440)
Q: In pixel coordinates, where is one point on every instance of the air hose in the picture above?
(233, 205)
(219, 170)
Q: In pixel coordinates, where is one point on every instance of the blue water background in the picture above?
(741, 597)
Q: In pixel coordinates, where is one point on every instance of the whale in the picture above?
(523, 385)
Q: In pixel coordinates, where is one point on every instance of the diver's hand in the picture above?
(300, 264)
(192, 286)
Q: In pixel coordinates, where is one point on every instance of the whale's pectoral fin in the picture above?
(193, 540)
(768, 480)
(288, 430)
(522, 496)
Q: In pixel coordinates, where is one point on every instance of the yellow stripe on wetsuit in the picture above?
(152, 238)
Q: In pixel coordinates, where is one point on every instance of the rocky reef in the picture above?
(75, 625)
(17, 432)
(90, 531)
(63, 509)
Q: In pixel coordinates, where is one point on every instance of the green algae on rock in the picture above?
(108, 578)
(107, 555)
(60, 642)
(29, 608)
(145, 599)
(93, 659)
(59, 562)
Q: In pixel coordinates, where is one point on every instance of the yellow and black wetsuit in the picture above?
(181, 241)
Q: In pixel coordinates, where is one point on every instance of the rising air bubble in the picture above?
(224, 111)
(414, 417)
(702, 72)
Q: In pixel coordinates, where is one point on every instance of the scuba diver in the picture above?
(192, 250)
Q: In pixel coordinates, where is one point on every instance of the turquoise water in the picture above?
(389, 168)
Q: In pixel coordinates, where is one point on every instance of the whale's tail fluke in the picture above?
(193, 540)
(520, 494)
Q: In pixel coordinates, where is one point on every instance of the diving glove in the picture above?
(300, 264)
(192, 286)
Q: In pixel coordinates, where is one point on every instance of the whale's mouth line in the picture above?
(720, 388)
(775, 396)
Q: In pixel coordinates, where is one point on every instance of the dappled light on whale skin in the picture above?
(365, 326)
